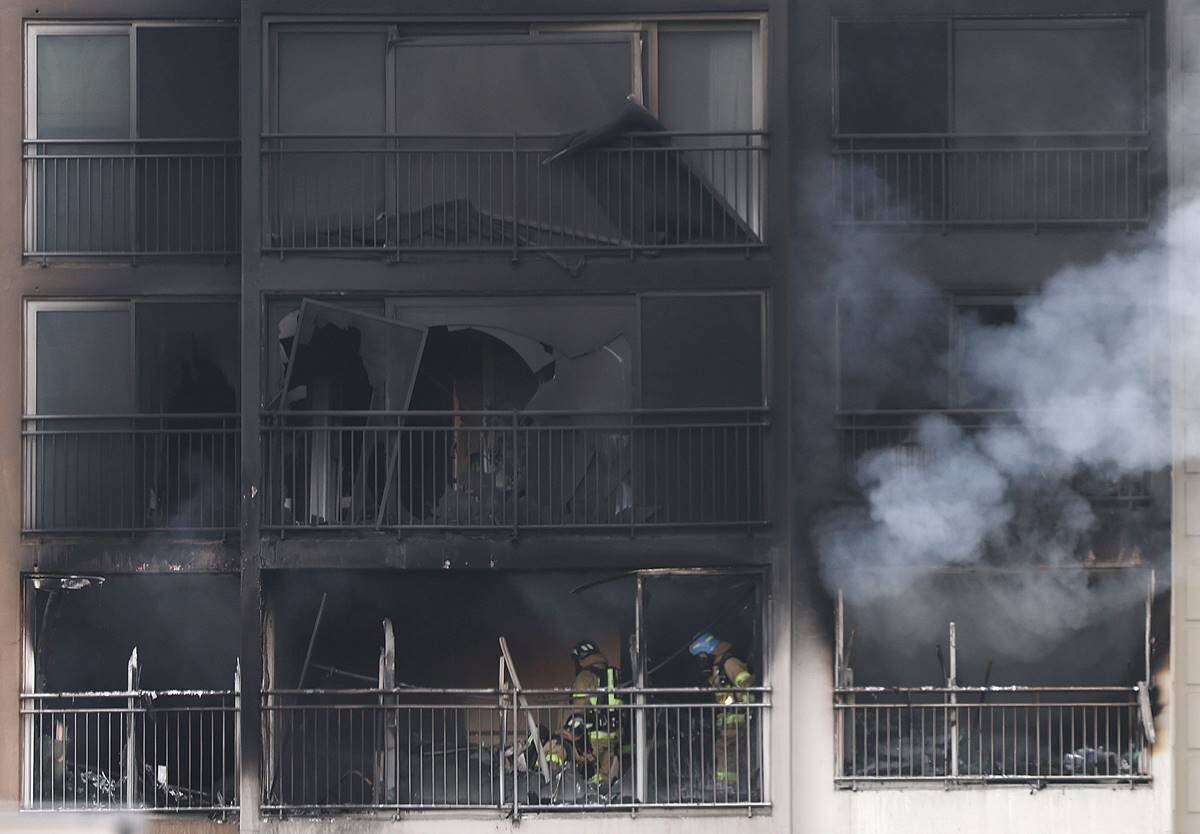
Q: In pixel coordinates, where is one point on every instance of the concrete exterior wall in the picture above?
(1184, 139)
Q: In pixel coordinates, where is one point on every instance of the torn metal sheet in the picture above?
(597, 381)
(660, 196)
(390, 350)
(535, 354)
(570, 327)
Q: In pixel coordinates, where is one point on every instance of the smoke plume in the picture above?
(1070, 399)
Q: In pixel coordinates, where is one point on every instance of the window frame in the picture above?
(643, 32)
(30, 359)
(130, 28)
(952, 22)
(764, 341)
(33, 306)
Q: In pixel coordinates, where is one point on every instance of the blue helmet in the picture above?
(703, 643)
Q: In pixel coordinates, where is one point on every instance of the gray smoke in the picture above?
(1078, 394)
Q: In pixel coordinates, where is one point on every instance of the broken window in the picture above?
(383, 720)
(460, 451)
(129, 699)
(117, 166)
(131, 415)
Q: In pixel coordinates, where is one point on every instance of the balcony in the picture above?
(133, 751)
(894, 433)
(979, 180)
(987, 735)
(514, 471)
(330, 751)
(124, 198)
(130, 473)
(395, 195)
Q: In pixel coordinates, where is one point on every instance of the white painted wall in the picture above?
(1006, 810)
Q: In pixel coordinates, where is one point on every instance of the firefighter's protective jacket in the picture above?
(596, 685)
(728, 672)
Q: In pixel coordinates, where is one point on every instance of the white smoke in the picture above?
(1080, 392)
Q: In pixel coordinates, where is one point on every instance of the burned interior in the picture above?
(376, 698)
(996, 580)
(396, 414)
(132, 690)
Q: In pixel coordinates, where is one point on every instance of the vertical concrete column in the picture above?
(251, 482)
(1183, 713)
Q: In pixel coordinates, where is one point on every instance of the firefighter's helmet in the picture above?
(583, 649)
(703, 643)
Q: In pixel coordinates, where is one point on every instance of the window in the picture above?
(703, 351)
(969, 134)
(131, 139)
(907, 352)
(1075, 75)
(481, 153)
(872, 97)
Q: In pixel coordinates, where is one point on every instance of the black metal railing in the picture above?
(131, 751)
(894, 434)
(329, 751)
(513, 470)
(963, 734)
(394, 194)
(130, 472)
(126, 198)
(991, 180)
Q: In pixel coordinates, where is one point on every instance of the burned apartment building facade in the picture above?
(373, 358)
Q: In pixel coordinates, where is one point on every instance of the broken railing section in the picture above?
(895, 434)
(622, 190)
(512, 749)
(1089, 179)
(130, 472)
(953, 733)
(514, 470)
(137, 750)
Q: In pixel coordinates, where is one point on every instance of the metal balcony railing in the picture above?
(129, 198)
(428, 749)
(964, 734)
(131, 751)
(1031, 180)
(392, 195)
(130, 472)
(894, 434)
(514, 470)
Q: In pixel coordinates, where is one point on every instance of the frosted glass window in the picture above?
(83, 86)
(1048, 76)
(83, 362)
(332, 82)
(706, 79)
(549, 84)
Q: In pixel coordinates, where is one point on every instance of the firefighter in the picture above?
(526, 760)
(724, 671)
(596, 684)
